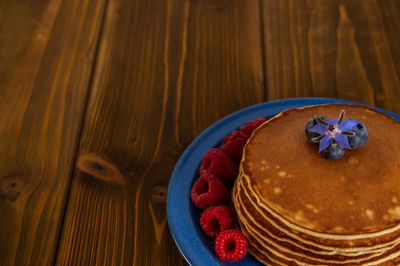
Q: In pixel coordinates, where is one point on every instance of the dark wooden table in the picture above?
(98, 99)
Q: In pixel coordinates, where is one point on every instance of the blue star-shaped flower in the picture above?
(334, 131)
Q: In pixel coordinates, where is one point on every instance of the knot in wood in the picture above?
(11, 187)
(159, 194)
(100, 168)
(11, 184)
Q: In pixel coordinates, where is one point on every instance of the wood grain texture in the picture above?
(109, 93)
(46, 53)
(165, 71)
(343, 49)
(223, 68)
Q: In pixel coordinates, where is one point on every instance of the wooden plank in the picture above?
(163, 75)
(46, 53)
(343, 49)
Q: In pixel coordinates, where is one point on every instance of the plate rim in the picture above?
(191, 247)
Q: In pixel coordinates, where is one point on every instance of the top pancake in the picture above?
(356, 194)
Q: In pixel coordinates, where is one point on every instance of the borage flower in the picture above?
(333, 131)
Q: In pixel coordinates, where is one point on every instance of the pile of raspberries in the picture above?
(211, 193)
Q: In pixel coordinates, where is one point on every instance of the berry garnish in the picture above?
(360, 137)
(333, 152)
(334, 136)
(216, 162)
(216, 219)
(209, 191)
(230, 245)
(233, 144)
(252, 125)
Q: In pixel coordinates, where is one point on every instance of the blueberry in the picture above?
(310, 125)
(360, 138)
(333, 152)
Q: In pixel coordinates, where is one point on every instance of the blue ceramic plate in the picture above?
(183, 216)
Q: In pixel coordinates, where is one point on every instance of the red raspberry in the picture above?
(209, 191)
(231, 245)
(233, 144)
(216, 162)
(250, 126)
(216, 219)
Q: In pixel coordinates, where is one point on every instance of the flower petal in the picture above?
(319, 128)
(342, 140)
(348, 125)
(325, 141)
(333, 122)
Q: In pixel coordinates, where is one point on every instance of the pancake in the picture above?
(282, 236)
(304, 255)
(297, 207)
(338, 246)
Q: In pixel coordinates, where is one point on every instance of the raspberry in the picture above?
(209, 191)
(250, 126)
(216, 219)
(231, 245)
(233, 144)
(216, 162)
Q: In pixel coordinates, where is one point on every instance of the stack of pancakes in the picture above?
(297, 208)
